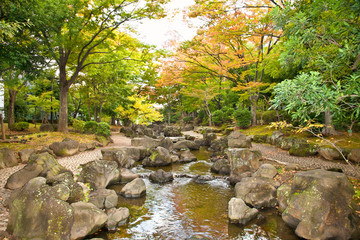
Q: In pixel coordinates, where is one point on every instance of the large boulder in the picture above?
(186, 144)
(117, 218)
(145, 142)
(186, 157)
(44, 165)
(286, 143)
(243, 160)
(238, 140)
(159, 157)
(87, 146)
(167, 143)
(302, 149)
(258, 192)
(47, 127)
(126, 175)
(219, 145)
(319, 206)
(239, 212)
(276, 136)
(172, 131)
(76, 191)
(160, 176)
(282, 195)
(124, 156)
(266, 170)
(25, 154)
(7, 158)
(209, 138)
(134, 189)
(104, 198)
(99, 173)
(188, 127)
(354, 155)
(330, 153)
(39, 211)
(67, 147)
(88, 219)
(221, 166)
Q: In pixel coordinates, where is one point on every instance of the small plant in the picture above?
(21, 126)
(188, 119)
(222, 116)
(103, 129)
(243, 118)
(78, 125)
(91, 127)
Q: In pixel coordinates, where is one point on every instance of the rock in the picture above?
(167, 143)
(43, 165)
(172, 131)
(319, 206)
(38, 211)
(76, 191)
(125, 156)
(117, 218)
(209, 138)
(354, 155)
(275, 136)
(159, 157)
(46, 150)
(287, 143)
(219, 145)
(46, 128)
(266, 170)
(160, 176)
(303, 149)
(188, 127)
(186, 157)
(238, 140)
(329, 153)
(7, 158)
(190, 138)
(134, 189)
(104, 198)
(127, 175)
(99, 173)
(87, 146)
(282, 195)
(221, 166)
(291, 166)
(186, 144)
(260, 138)
(258, 192)
(239, 212)
(25, 154)
(174, 158)
(67, 147)
(233, 179)
(200, 142)
(243, 160)
(146, 142)
(88, 219)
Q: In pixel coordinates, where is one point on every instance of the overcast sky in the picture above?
(158, 32)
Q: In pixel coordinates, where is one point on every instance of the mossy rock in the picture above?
(260, 138)
(303, 150)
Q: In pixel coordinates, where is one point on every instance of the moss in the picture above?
(154, 156)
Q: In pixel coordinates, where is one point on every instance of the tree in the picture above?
(74, 30)
(45, 103)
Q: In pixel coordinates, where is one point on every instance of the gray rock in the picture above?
(190, 138)
(258, 192)
(145, 142)
(187, 156)
(239, 212)
(266, 170)
(38, 211)
(282, 195)
(76, 191)
(127, 175)
(104, 198)
(134, 189)
(354, 155)
(329, 153)
(172, 131)
(7, 158)
(238, 140)
(319, 206)
(167, 143)
(174, 158)
(221, 166)
(43, 165)
(88, 219)
(67, 147)
(99, 173)
(46, 128)
(186, 144)
(302, 149)
(159, 157)
(160, 176)
(209, 138)
(117, 218)
(243, 160)
(219, 145)
(275, 136)
(25, 154)
(233, 179)
(87, 146)
(188, 127)
(125, 156)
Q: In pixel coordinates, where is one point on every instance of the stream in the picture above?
(184, 208)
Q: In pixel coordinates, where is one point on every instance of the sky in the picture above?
(158, 32)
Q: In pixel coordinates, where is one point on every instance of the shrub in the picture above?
(90, 127)
(222, 116)
(175, 117)
(78, 125)
(103, 129)
(269, 116)
(243, 118)
(21, 126)
(188, 119)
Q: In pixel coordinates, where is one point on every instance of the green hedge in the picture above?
(21, 126)
(243, 118)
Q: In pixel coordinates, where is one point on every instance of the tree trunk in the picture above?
(11, 110)
(253, 101)
(329, 127)
(95, 113)
(113, 120)
(100, 110)
(63, 110)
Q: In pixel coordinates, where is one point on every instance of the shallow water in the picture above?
(183, 208)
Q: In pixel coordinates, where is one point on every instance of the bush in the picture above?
(90, 127)
(269, 116)
(243, 118)
(222, 116)
(21, 126)
(103, 129)
(188, 119)
(175, 117)
(78, 125)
